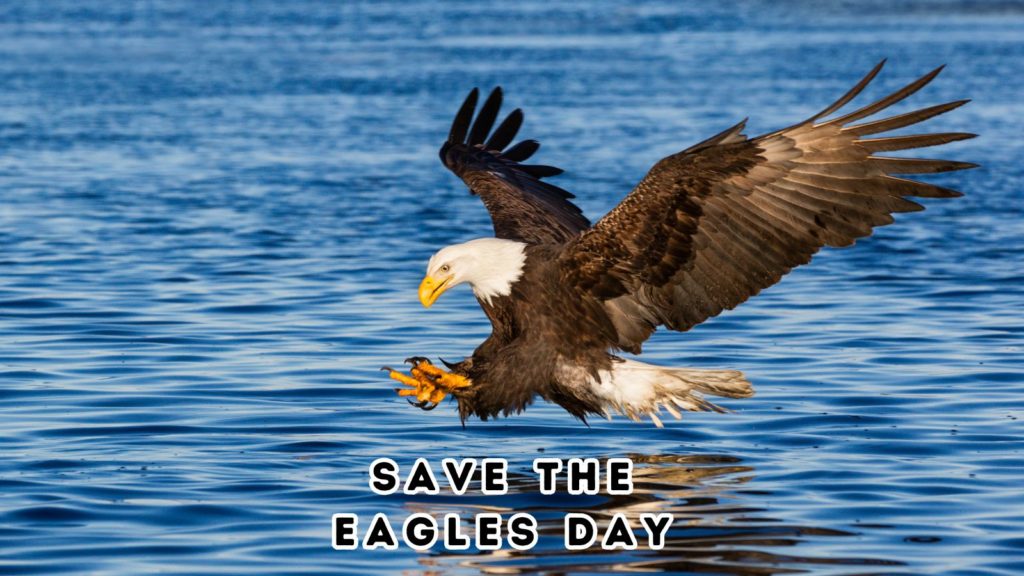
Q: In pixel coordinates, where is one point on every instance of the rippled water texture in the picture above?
(214, 217)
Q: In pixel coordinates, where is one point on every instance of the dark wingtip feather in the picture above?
(851, 93)
(485, 119)
(730, 135)
(460, 126)
(912, 141)
(522, 151)
(889, 100)
(902, 120)
(540, 170)
(905, 187)
(917, 165)
(506, 131)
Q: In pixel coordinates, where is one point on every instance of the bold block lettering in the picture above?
(458, 474)
(383, 476)
(522, 531)
(619, 534)
(584, 476)
(343, 531)
(488, 531)
(619, 476)
(494, 476)
(657, 526)
(419, 531)
(580, 531)
(380, 534)
(547, 469)
(421, 479)
(454, 539)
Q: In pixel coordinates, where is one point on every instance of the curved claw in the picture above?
(449, 365)
(414, 360)
(427, 382)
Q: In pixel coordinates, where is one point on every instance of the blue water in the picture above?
(214, 217)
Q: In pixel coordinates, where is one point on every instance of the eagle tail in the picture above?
(637, 389)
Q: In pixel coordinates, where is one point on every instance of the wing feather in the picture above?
(506, 132)
(464, 117)
(914, 141)
(903, 120)
(522, 206)
(715, 224)
(851, 94)
(889, 100)
(522, 151)
(485, 118)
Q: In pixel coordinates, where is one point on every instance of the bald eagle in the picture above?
(703, 231)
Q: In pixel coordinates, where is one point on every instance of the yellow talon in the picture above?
(425, 392)
(427, 368)
(428, 383)
(444, 379)
(396, 375)
(437, 396)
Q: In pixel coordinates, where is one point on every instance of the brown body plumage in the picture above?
(705, 229)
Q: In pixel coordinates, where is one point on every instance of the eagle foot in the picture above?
(429, 384)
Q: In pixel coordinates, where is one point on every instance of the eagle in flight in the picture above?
(704, 230)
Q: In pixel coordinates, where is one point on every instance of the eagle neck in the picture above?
(497, 265)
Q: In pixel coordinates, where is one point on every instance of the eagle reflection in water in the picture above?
(716, 528)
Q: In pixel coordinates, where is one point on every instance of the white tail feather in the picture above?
(636, 389)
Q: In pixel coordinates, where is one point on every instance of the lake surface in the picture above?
(214, 216)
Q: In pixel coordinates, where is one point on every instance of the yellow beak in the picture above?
(430, 289)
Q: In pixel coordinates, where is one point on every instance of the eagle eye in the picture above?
(445, 268)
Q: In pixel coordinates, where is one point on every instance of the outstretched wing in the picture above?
(713, 225)
(523, 207)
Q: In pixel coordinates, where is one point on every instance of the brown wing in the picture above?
(713, 225)
(523, 207)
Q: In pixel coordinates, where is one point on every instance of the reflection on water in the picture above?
(718, 526)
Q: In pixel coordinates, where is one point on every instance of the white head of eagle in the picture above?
(490, 265)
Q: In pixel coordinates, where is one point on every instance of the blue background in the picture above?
(214, 216)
